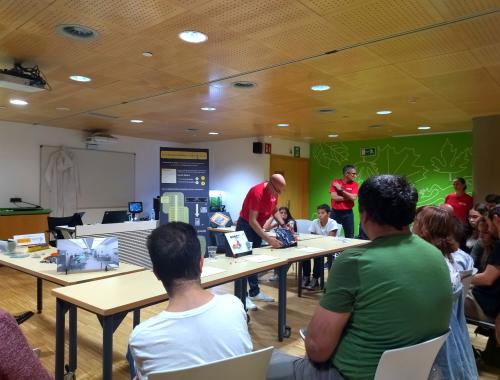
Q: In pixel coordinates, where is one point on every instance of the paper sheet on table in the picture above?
(259, 258)
(309, 249)
(209, 271)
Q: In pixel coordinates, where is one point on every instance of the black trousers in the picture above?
(346, 218)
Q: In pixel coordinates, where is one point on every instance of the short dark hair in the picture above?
(175, 252)
(494, 211)
(325, 207)
(462, 181)
(348, 167)
(388, 200)
(492, 198)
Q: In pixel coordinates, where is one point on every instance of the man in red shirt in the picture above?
(460, 200)
(259, 204)
(344, 192)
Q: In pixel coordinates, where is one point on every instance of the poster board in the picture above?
(107, 179)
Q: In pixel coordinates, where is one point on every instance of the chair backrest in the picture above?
(53, 222)
(409, 363)
(251, 366)
(303, 225)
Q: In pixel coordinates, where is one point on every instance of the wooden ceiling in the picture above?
(432, 62)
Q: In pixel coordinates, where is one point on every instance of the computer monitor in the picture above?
(135, 207)
(119, 216)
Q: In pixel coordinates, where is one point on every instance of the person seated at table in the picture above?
(484, 300)
(456, 358)
(325, 226)
(197, 326)
(389, 293)
(17, 360)
(290, 222)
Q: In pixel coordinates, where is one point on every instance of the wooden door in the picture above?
(296, 194)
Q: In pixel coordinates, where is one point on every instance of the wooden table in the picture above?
(119, 295)
(44, 271)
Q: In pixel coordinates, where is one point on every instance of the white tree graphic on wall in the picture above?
(450, 161)
(328, 155)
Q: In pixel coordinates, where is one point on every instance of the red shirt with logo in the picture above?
(349, 188)
(461, 204)
(261, 201)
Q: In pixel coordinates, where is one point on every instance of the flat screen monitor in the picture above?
(119, 216)
(135, 207)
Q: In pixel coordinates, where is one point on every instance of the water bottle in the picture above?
(152, 214)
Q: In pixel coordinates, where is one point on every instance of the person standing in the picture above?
(459, 200)
(344, 192)
(260, 204)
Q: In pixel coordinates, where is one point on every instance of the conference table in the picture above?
(113, 298)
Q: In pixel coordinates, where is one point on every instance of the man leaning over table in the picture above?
(392, 292)
(197, 326)
(259, 204)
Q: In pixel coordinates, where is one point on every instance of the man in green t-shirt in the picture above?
(391, 293)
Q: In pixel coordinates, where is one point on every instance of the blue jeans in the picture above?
(346, 218)
(253, 280)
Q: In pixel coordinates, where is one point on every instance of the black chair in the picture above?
(53, 222)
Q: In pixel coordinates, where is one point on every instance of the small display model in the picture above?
(88, 254)
(237, 244)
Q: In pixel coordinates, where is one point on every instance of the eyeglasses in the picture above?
(351, 173)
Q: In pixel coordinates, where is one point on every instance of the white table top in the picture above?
(48, 271)
(123, 293)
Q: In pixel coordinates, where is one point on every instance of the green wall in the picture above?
(429, 162)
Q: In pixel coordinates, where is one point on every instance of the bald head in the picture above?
(278, 183)
(447, 207)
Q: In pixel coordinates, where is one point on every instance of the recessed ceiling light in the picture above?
(62, 108)
(192, 36)
(384, 112)
(308, 138)
(282, 124)
(136, 121)
(333, 135)
(208, 108)
(18, 102)
(213, 133)
(80, 78)
(2, 107)
(320, 87)
(147, 54)
(424, 127)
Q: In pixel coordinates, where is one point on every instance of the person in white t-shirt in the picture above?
(197, 326)
(325, 226)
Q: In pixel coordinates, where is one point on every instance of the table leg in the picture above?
(60, 321)
(137, 317)
(39, 295)
(299, 280)
(283, 330)
(107, 347)
(72, 340)
(239, 290)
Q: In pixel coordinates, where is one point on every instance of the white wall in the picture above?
(20, 162)
(234, 168)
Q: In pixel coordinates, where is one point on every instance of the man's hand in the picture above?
(273, 242)
(338, 188)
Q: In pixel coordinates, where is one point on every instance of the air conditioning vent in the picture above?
(244, 84)
(77, 32)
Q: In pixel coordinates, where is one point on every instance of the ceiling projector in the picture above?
(23, 79)
(97, 138)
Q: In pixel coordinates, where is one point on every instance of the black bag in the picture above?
(285, 236)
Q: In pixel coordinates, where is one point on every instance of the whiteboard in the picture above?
(107, 179)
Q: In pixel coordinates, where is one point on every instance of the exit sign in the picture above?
(365, 152)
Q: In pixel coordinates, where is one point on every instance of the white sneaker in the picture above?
(250, 305)
(261, 296)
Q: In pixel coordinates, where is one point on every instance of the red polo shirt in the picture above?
(349, 188)
(461, 205)
(261, 201)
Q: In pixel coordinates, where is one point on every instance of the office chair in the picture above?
(53, 222)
